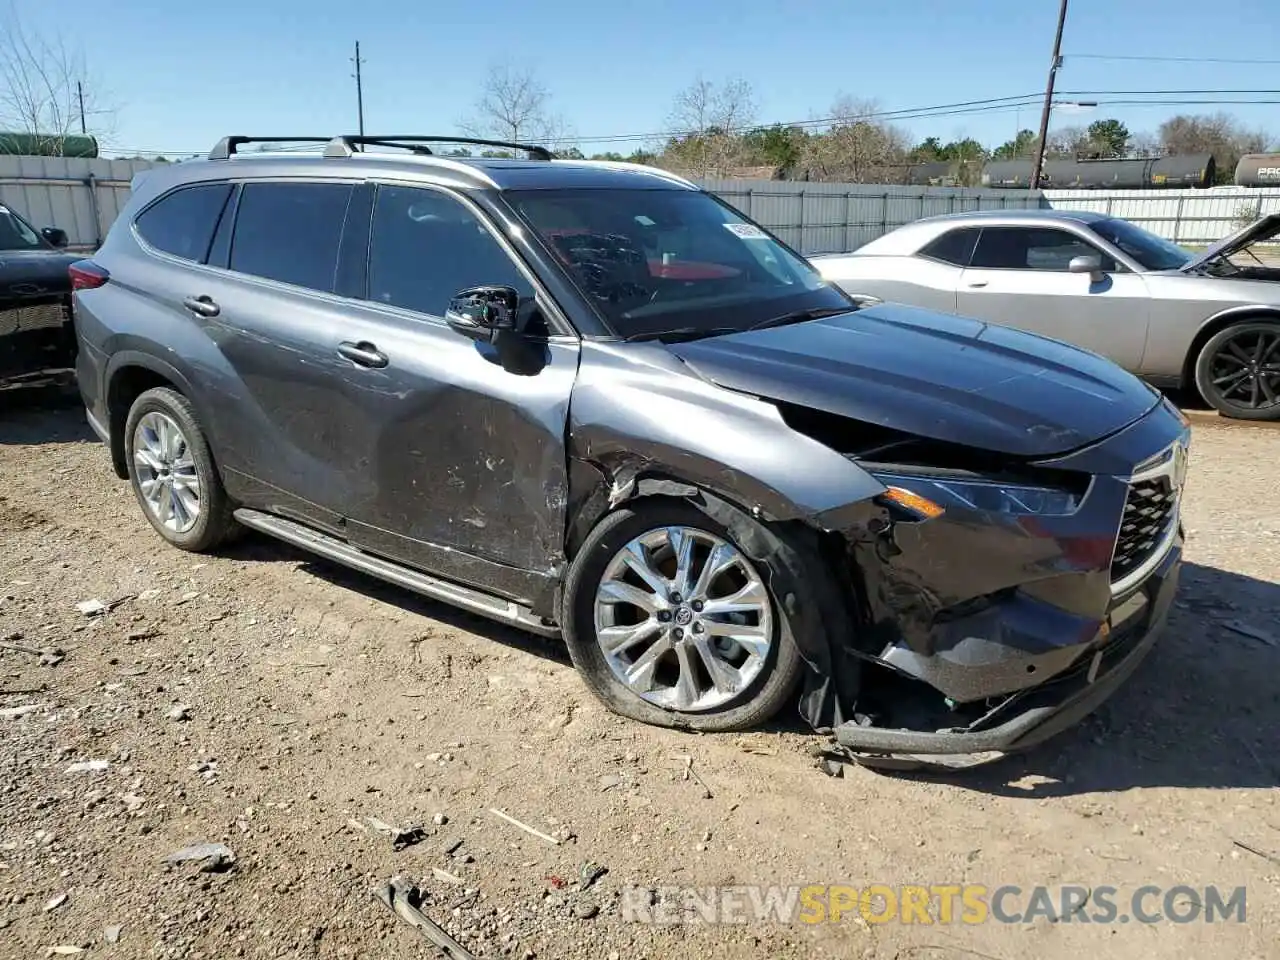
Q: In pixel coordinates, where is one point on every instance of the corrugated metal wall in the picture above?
(812, 217)
(81, 196)
(837, 217)
(1184, 216)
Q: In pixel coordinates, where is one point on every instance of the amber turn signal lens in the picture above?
(914, 502)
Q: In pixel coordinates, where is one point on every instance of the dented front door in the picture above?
(451, 451)
(454, 449)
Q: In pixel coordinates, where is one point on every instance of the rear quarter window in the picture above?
(954, 247)
(181, 223)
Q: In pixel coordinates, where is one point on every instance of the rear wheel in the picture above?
(1238, 370)
(671, 623)
(173, 474)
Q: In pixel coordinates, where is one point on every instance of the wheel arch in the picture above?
(1215, 325)
(130, 373)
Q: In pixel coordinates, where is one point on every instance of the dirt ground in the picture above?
(270, 701)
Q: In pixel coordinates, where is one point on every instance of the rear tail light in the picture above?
(86, 275)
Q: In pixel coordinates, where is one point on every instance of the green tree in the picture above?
(777, 145)
(1109, 137)
(928, 150)
(1020, 146)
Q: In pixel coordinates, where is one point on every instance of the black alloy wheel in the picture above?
(1239, 371)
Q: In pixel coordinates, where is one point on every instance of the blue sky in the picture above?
(184, 73)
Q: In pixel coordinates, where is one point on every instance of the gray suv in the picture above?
(593, 401)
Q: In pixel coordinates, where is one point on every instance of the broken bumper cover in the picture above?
(1031, 716)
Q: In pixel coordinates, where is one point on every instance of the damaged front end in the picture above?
(1004, 600)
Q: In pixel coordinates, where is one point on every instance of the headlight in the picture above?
(985, 495)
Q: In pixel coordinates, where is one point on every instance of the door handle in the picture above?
(977, 283)
(363, 354)
(202, 306)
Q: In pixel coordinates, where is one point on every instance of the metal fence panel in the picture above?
(82, 196)
(837, 217)
(1193, 217)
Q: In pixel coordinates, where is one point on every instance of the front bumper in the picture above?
(1029, 717)
(999, 632)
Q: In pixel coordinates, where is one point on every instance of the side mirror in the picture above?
(1088, 263)
(55, 235)
(481, 313)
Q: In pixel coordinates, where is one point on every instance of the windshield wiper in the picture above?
(800, 316)
(680, 334)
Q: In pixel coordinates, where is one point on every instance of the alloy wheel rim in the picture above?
(683, 619)
(166, 472)
(1246, 369)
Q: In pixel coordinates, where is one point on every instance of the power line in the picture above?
(963, 108)
(987, 106)
(1105, 56)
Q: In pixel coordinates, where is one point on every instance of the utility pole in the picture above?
(80, 97)
(1038, 167)
(359, 89)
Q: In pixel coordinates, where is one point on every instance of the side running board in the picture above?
(342, 552)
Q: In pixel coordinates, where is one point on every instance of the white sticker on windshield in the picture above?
(645, 221)
(4, 210)
(746, 231)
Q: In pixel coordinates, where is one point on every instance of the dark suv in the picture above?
(591, 400)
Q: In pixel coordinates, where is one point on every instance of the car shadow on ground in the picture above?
(1202, 711)
(43, 411)
(255, 547)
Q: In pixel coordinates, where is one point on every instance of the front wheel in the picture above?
(1238, 371)
(671, 623)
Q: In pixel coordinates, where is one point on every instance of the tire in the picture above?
(768, 678)
(183, 458)
(1229, 353)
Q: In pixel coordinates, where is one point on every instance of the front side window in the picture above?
(290, 232)
(16, 233)
(427, 246)
(1032, 248)
(1151, 252)
(181, 223)
(657, 262)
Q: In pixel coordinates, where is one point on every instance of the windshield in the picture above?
(1151, 252)
(15, 234)
(672, 262)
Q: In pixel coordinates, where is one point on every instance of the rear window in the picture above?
(954, 247)
(290, 232)
(182, 223)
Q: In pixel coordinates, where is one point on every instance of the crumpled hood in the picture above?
(933, 375)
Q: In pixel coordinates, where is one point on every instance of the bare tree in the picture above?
(512, 104)
(857, 147)
(708, 123)
(45, 89)
(1219, 134)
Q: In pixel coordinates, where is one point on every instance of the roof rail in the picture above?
(345, 146)
(639, 168)
(227, 147)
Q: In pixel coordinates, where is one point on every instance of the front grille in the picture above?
(42, 316)
(1149, 510)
